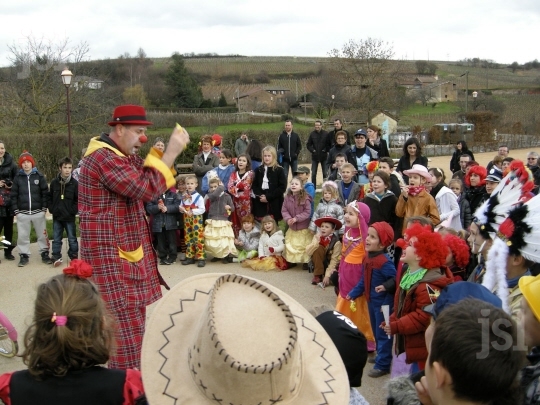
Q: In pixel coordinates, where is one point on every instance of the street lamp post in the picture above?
(466, 74)
(66, 79)
(474, 95)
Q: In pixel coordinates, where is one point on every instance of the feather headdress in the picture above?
(513, 220)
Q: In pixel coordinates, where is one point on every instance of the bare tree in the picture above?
(34, 98)
(329, 94)
(369, 74)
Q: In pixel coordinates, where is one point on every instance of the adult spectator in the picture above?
(464, 159)
(8, 171)
(360, 155)
(254, 151)
(241, 144)
(503, 152)
(340, 146)
(289, 146)
(375, 141)
(317, 144)
(506, 165)
(159, 144)
(461, 149)
(338, 127)
(412, 155)
(532, 165)
(116, 240)
(204, 161)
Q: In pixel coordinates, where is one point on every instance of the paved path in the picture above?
(18, 290)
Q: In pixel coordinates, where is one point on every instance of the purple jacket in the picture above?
(302, 212)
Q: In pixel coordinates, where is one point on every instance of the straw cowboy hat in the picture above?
(420, 170)
(229, 339)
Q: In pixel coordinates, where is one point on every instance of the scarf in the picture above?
(265, 185)
(415, 190)
(325, 240)
(410, 279)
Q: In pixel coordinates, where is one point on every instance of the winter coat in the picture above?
(384, 209)
(318, 144)
(240, 146)
(333, 252)
(447, 205)
(353, 195)
(167, 220)
(333, 152)
(360, 163)
(327, 209)
(476, 196)
(405, 164)
(276, 241)
(8, 171)
(29, 193)
(289, 146)
(421, 205)
(277, 183)
(378, 270)
(201, 167)
(332, 137)
(409, 320)
(454, 162)
(301, 211)
(224, 175)
(64, 199)
(218, 200)
(250, 239)
(381, 148)
(465, 214)
(530, 378)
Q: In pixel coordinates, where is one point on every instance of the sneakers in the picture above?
(371, 360)
(374, 373)
(24, 261)
(164, 262)
(316, 280)
(201, 263)
(57, 262)
(188, 260)
(45, 258)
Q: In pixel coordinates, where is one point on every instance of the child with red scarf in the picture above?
(425, 252)
(325, 249)
(415, 200)
(379, 276)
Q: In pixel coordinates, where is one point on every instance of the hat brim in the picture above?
(425, 175)
(493, 179)
(173, 327)
(141, 122)
(335, 221)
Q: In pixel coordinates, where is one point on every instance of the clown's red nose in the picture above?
(143, 138)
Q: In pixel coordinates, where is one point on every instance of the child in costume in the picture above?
(192, 207)
(271, 246)
(70, 337)
(296, 211)
(180, 232)
(475, 180)
(223, 171)
(378, 277)
(328, 206)
(414, 199)
(325, 249)
(350, 268)
(218, 233)
(239, 188)
(424, 251)
(248, 239)
(458, 258)
(371, 168)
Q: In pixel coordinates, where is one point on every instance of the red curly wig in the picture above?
(429, 245)
(480, 171)
(459, 249)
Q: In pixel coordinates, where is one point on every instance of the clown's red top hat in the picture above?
(129, 115)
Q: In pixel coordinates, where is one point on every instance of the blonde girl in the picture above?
(296, 211)
(271, 247)
(269, 185)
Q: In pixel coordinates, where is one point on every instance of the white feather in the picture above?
(531, 250)
(495, 276)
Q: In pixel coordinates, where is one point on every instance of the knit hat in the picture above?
(385, 232)
(26, 156)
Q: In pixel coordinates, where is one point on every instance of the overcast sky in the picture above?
(502, 30)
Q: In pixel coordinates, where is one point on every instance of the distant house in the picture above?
(88, 82)
(262, 99)
(386, 122)
(443, 91)
(417, 81)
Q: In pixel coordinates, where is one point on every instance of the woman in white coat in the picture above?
(446, 200)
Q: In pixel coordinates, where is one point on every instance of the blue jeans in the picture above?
(314, 167)
(383, 361)
(58, 234)
(293, 165)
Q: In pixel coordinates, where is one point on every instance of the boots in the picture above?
(8, 255)
(45, 258)
(24, 260)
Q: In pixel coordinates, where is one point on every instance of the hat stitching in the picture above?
(294, 337)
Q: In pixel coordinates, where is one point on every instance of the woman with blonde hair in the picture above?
(269, 185)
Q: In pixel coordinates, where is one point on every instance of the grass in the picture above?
(440, 108)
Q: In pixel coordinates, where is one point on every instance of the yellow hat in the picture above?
(530, 287)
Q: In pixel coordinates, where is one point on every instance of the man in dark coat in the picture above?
(332, 134)
(318, 144)
(289, 147)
